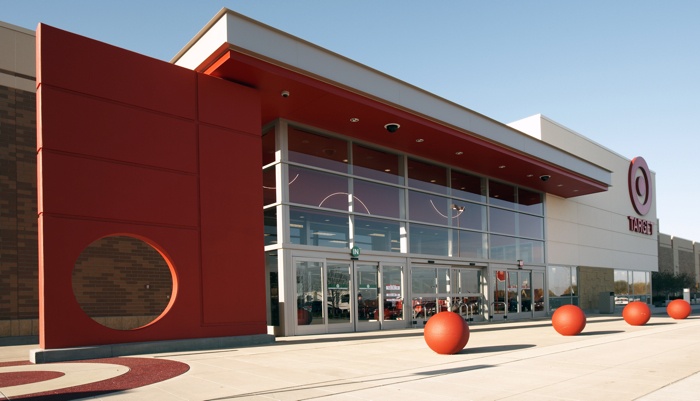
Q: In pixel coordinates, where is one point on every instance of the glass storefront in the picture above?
(323, 194)
(632, 286)
(562, 286)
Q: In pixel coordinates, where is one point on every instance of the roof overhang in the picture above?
(327, 90)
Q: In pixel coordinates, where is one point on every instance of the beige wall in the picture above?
(593, 230)
(18, 60)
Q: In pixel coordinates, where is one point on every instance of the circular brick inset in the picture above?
(122, 282)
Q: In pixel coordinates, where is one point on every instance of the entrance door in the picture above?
(323, 297)
(515, 296)
(368, 312)
(338, 296)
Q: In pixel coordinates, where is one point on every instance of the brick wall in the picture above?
(591, 282)
(19, 305)
(122, 282)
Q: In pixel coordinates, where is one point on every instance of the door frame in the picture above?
(353, 325)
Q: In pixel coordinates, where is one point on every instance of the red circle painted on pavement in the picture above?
(640, 189)
(9, 379)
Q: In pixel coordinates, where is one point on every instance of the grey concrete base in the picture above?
(39, 355)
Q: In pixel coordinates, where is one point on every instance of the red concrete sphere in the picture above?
(569, 320)
(636, 313)
(678, 309)
(446, 333)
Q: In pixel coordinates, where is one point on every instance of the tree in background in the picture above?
(667, 285)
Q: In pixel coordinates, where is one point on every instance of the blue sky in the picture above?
(623, 73)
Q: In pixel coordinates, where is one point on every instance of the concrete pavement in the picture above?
(610, 360)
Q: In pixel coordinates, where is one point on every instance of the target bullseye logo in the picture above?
(640, 188)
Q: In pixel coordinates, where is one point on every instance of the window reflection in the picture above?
(270, 225)
(467, 186)
(468, 215)
(377, 199)
(376, 164)
(377, 235)
(502, 221)
(562, 286)
(427, 176)
(428, 240)
(316, 188)
(501, 194)
(269, 186)
(502, 247)
(530, 226)
(631, 286)
(318, 150)
(530, 251)
(530, 202)
(311, 227)
(428, 208)
(469, 244)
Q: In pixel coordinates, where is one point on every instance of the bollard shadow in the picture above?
(600, 333)
(452, 370)
(658, 324)
(495, 348)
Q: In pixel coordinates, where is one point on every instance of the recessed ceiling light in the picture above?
(420, 140)
(387, 170)
(432, 180)
(560, 185)
(459, 153)
(502, 166)
(354, 120)
(529, 175)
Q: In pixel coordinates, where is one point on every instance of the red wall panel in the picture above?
(231, 216)
(97, 69)
(122, 151)
(101, 128)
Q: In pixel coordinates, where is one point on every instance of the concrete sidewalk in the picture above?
(610, 360)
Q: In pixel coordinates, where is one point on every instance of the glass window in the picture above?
(443, 280)
(467, 186)
(273, 287)
(377, 199)
(530, 202)
(502, 247)
(562, 286)
(468, 215)
(641, 286)
(469, 281)
(270, 225)
(376, 164)
(312, 227)
(268, 147)
(269, 186)
(469, 244)
(501, 194)
(530, 226)
(309, 292)
(427, 176)
(317, 150)
(502, 221)
(377, 235)
(530, 251)
(392, 279)
(428, 240)
(316, 188)
(427, 208)
(621, 286)
(423, 280)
